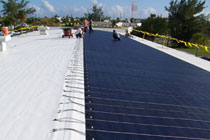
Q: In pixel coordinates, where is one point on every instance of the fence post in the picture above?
(143, 36)
(164, 42)
(197, 51)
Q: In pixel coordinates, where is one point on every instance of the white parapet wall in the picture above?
(3, 40)
(70, 121)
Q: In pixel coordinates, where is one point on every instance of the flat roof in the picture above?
(32, 77)
(134, 91)
(128, 89)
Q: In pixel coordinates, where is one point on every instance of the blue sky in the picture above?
(112, 8)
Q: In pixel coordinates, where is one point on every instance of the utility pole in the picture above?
(132, 8)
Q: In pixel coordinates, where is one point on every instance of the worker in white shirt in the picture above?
(79, 33)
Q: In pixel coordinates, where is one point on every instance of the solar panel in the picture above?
(134, 92)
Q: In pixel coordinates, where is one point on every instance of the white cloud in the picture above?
(165, 14)
(98, 4)
(117, 11)
(48, 6)
(94, 1)
(46, 9)
(101, 5)
(61, 11)
(35, 7)
(78, 9)
(39, 11)
(71, 10)
(206, 13)
(147, 11)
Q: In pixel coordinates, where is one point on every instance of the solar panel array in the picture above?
(134, 92)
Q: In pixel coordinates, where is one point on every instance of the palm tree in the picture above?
(16, 11)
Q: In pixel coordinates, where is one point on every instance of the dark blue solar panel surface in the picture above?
(134, 92)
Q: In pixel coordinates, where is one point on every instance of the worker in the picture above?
(85, 23)
(90, 26)
(115, 35)
(79, 33)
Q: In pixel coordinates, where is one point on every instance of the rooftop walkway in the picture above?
(134, 91)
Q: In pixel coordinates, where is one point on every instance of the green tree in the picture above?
(107, 18)
(8, 20)
(153, 24)
(199, 38)
(97, 13)
(118, 19)
(204, 23)
(44, 21)
(184, 19)
(13, 10)
(114, 22)
(22, 15)
(31, 20)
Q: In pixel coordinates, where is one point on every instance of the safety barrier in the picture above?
(187, 44)
(31, 28)
(24, 28)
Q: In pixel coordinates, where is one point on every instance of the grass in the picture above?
(201, 51)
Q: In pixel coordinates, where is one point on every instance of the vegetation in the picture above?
(199, 38)
(183, 18)
(53, 21)
(97, 13)
(204, 23)
(15, 12)
(195, 51)
(153, 24)
(115, 21)
(184, 23)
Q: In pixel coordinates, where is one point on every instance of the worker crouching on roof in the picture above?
(79, 33)
(115, 35)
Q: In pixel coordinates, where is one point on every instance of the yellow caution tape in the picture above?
(24, 28)
(187, 44)
(206, 48)
(195, 45)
